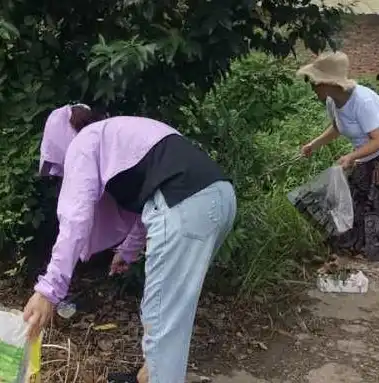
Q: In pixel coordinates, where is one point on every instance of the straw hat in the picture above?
(329, 68)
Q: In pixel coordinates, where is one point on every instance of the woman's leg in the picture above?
(181, 242)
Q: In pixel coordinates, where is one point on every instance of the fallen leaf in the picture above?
(105, 327)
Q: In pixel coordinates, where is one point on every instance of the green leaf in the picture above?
(95, 63)
(118, 57)
(102, 40)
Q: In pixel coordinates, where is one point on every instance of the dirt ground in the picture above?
(361, 44)
(302, 336)
(335, 340)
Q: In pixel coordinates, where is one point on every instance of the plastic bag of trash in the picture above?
(20, 361)
(327, 201)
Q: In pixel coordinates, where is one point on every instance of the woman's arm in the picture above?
(371, 147)
(128, 251)
(325, 138)
(78, 197)
(134, 242)
(368, 119)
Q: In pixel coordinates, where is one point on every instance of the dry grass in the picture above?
(65, 362)
(80, 353)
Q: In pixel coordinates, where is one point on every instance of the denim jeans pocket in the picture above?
(201, 214)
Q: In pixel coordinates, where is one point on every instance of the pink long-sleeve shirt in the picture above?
(126, 227)
(89, 218)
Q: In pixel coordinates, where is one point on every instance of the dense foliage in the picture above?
(156, 59)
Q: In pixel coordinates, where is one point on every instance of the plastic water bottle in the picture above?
(66, 309)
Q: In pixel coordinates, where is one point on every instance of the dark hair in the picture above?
(82, 116)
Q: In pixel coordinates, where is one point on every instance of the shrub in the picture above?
(136, 57)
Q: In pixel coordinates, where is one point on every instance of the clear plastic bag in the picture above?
(327, 201)
(20, 361)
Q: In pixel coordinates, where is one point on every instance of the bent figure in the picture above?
(354, 112)
(126, 234)
(176, 197)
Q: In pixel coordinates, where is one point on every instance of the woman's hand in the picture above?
(325, 138)
(37, 313)
(307, 150)
(346, 161)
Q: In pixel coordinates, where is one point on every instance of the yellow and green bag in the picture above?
(20, 361)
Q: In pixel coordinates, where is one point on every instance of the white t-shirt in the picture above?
(358, 117)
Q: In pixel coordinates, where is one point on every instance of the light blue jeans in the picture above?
(181, 242)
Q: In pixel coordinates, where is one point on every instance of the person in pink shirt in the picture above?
(61, 127)
(138, 181)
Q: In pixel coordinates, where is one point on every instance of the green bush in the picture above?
(136, 57)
